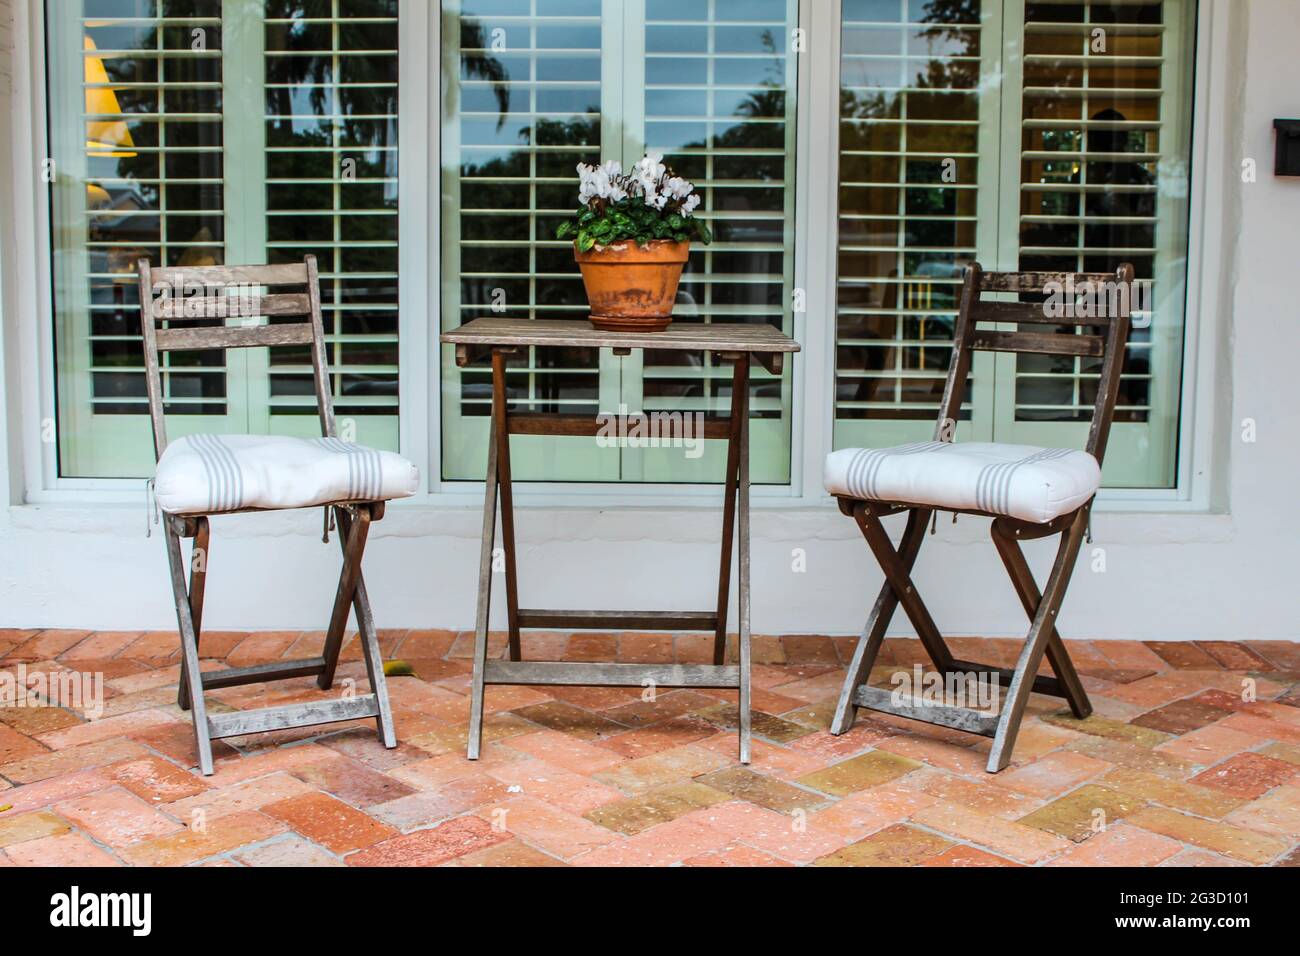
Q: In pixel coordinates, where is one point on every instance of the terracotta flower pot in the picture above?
(632, 288)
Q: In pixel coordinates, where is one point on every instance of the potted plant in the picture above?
(631, 237)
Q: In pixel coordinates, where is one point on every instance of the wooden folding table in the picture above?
(493, 339)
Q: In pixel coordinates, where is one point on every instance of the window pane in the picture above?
(331, 190)
(136, 132)
(910, 174)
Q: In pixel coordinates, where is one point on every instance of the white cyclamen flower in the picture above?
(691, 204)
(678, 188)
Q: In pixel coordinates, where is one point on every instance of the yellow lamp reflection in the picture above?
(105, 135)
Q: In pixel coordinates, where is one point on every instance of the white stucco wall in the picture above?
(1230, 573)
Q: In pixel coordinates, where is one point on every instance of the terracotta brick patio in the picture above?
(1191, 759)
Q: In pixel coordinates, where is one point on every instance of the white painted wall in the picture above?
(1230, 572)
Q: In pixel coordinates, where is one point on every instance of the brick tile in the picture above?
(663, 845)
(567, 719)
(737, 855)
(1261, 728)
(1132, 757)
(433, 772)
(562, 788)
(449, 800)
(16, 746)
(1284, 655)
(726, 717)
(30, 826)
(866, 812)
(117, 817)
(1188, 797)
(510, 853)
(784, 837)
(176, 741)
(56, 763)
(425, 643)
(47, 645)
(945, 756)
(1110, 729)
(980, 795)
(1288, 752)
(1120, 845)
(665, 706)
(288, 851)
(1182, 716)
(783, 763)
(1082, 813)
(1015, 840)
(632, 816)
(33, 721)
(637, 648)
(1208, 745)
(330, 822)
(106, 728)
(595, 698)
(1183, 655)
(188, 846)
(262, 648)
(967, 856)
(566, 752)
(592, 647)
(1052, 774)
(809, 649)
(445, 842)
(896, 845)
(1248, 775)
(863, 735)
(1278, 814)
(64, 850)
(154, 646)
(239, 797)
(564, 835)
(860, 773)
(662, 769)
(664, 735)
(352, 782)
(1130, 654)
(101, 644)
(1234, 842)
(744, 784)
(1202, 858)
(1234, 657)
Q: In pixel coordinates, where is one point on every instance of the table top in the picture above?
(578, 333)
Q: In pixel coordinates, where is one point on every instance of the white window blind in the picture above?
(331, 156)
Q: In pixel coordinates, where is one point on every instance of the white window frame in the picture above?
(32, 394)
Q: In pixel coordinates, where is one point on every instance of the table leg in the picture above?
(500, 416)
(484, 598)
(741, 382)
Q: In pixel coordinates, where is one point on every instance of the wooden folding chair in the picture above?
(1028, 492)
(234, 481)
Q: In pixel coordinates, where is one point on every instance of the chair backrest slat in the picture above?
(236, 306)
(1039, 343)
(292, 273)
(233, 337)
(182, 294)
(1109, 299)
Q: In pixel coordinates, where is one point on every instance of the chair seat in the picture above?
(1019, 481)
(210, 474)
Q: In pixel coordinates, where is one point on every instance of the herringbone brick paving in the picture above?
(1191, 759)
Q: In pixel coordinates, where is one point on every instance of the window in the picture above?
(199, 132)
(533, 87)
(1076, 161)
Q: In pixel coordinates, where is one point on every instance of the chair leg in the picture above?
(741, 406)
(370, 649)
(192, 675)
(1023, 581)
(1040, 632)
(354, 545)
(739, 388)
(484, 599)
(198, 579)
(873, 634)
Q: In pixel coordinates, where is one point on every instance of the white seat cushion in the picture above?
(209, 474)
(1020, 481)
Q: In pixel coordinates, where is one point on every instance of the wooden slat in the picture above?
(1042, 683)
(1029, 313)
(538, 423)
(1035, 281)
(611, 675)
(231, 306)
(619, 620)
(233, 337)
(278, 670)
(1039, 343)
(958, 718)
(294, 273)
(242, 722)
(576, 333)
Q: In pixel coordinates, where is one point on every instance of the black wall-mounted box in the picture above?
(1287, 162)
